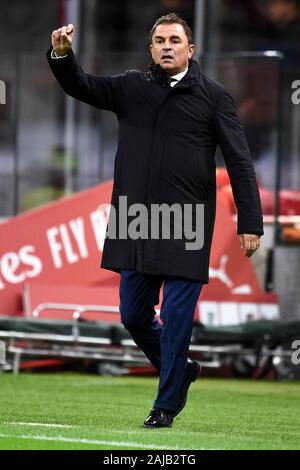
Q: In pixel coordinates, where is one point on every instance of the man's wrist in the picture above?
(54, 55)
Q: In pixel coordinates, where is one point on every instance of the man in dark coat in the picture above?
(171, 120)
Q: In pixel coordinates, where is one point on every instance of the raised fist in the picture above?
(62, 39)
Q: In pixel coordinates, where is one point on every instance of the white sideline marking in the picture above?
(88, 441)
(97, 442)
(46, 425)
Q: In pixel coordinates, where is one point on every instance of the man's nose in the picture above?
(167, 47)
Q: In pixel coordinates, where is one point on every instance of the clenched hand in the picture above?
(62, 39)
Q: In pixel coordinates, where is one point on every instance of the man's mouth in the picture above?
(167, 57)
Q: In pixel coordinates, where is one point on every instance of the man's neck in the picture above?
(172, 73)
(180, 74)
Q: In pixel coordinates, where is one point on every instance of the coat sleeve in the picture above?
(99, 91)
(233, 143)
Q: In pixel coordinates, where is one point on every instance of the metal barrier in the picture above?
(78, 309)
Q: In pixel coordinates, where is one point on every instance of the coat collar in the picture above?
(190, 79)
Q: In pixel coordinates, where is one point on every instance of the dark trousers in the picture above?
(165, 346)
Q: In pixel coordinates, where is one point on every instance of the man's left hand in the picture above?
(249, 243)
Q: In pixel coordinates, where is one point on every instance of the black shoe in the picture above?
(159, 419)
(192, 371)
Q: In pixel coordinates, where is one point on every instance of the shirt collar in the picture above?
(179, 76)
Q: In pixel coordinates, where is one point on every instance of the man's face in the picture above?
(170, 48)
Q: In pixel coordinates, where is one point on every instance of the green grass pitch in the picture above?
(75, 411)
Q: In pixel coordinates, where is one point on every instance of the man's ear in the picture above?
(191, 50)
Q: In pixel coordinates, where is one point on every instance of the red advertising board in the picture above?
(60, 244)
